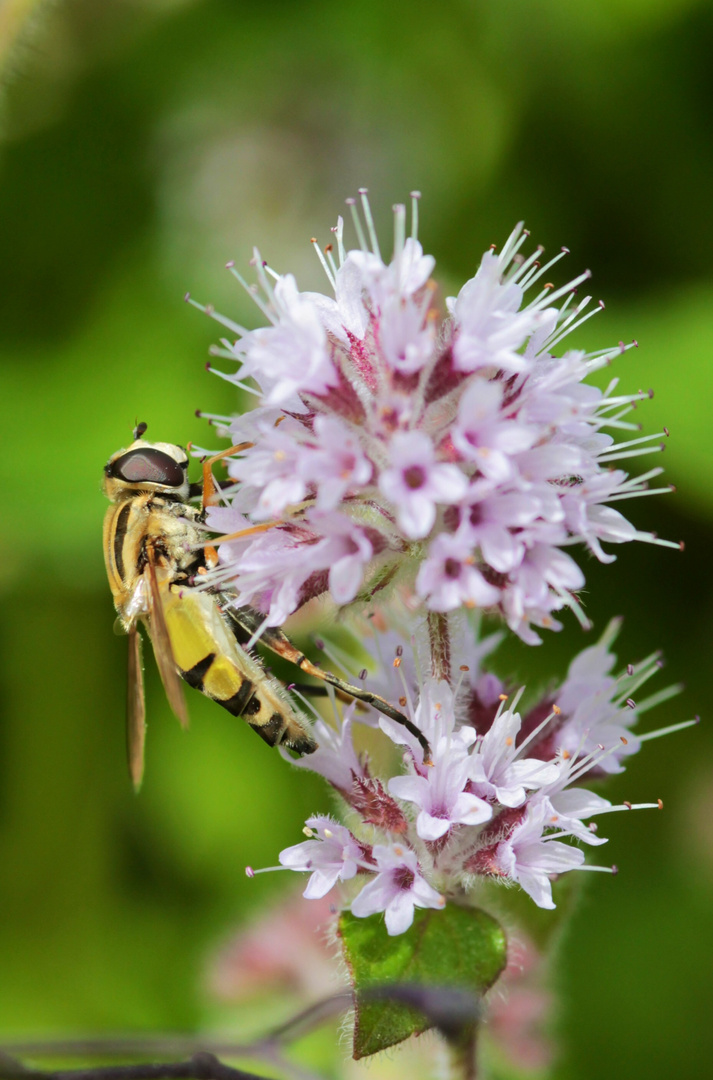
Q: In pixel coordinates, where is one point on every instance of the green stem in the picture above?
(464, 1057)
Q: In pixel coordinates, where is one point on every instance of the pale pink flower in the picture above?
(397, 889)
(415, 483)
(334, 856)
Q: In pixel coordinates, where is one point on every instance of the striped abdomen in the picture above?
(209, 659)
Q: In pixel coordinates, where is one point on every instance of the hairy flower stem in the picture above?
(440, 641)
(464, 1056)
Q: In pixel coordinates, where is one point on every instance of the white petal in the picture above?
(470, 810)
(399, 913)
(320, 883)
(431, 828)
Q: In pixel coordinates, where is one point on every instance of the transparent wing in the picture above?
(135, 711)
(162, 648)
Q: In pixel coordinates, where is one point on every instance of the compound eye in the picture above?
(147, 466)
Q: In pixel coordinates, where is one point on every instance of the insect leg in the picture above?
(274, 639)
(210, 491)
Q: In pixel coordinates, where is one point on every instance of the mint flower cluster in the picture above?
(505, 789)
(452, 454)
(421, 466)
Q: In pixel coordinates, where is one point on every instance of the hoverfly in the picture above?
(154, 548)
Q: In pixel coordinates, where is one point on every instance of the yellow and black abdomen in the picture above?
(209, 658)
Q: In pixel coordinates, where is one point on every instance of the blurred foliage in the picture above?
(144, 143)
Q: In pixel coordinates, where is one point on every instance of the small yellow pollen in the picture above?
(508, 741)
(307, 831)
(566, 755)
(470, 604)
(279, 455)
(202, 570)
(464, 667)
(660, 802)
(279, 420)
(547, 621)
(402, 702)
(548, 285)
(502, 697)
(625, 741)
(556, 710)
(397, 661)
(328, 833)
(398, 851)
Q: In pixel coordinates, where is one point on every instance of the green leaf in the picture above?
(456, 947)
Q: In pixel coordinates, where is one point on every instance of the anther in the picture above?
(666, 432)
(627, 804)
(249, 872)
(502, 697)
(230, 264)
(187, 297)
(660, 802)
(399, 650)
(556, 710)
(402, 702)
(362, 674)
(629, 669)
(682, 545)
(328, 833)
(615, 869)
(397, 662)
(631, 703)
(464, 667)
(624, 740)
(319, 643)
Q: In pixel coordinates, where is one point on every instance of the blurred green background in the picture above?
(144, 143)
